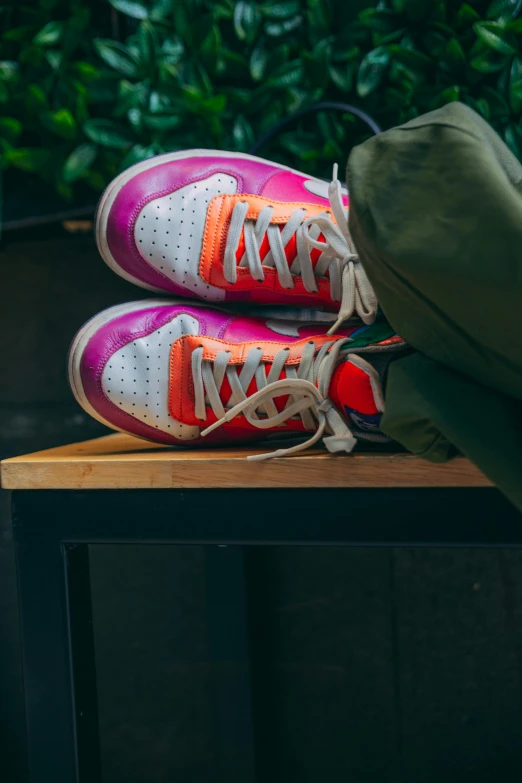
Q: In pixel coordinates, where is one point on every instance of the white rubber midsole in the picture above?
(109, 195)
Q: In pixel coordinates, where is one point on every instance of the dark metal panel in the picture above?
(50, 719)
(347, 517)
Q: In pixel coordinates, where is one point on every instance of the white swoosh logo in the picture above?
(365, 426)
(320, 188)
(287, 328)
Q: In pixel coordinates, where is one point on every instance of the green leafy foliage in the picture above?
(88, 87)
(79, 161)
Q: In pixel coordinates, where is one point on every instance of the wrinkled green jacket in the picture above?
(436, 216)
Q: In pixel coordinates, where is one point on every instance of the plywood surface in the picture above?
(122, 462)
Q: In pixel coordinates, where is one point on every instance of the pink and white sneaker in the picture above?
(228, 227)
(182, 373)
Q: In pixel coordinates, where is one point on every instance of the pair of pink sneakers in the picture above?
(237, 234)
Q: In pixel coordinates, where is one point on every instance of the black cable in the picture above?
(314, 107)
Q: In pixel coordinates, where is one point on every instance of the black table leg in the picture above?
(79, 605)
(230, 680)
(50, 718)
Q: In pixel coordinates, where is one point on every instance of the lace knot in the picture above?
(325, 406)
(338, 258)
(305, 387)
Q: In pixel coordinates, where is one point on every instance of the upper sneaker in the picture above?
(182, 373)
(229, 227)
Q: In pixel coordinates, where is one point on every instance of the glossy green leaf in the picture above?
(87, 71)
(488, 63)
(332, 150)
(499, 106)
(482, 106)
(417, 9)
(277, 29)
(372, 70)
(36, 98)
(242, 134)
(411, 58)
(236, 96)
(503, 9)
(259, 61)
(397, 98)
(289, 74)
(162, 122)
(64, 189)
(449, 95)
(512, 139)
(211, 46)
(79, 161)
(326, 124)
(455, 52)
(342, 76)
(117, 56)
(278, 57)
(30, 159)
(147, 43)
(8, 70)
(54, 58)
(18, 33)
(320, 58)
(515, 85)
(138, 153)
(494, 35)
(160, 10)
(60, 122)
(516, 97)
(182, 22)
(10, 128)
(214, 105)
(131, 8)
(130, 95)
(467, 15)
(282, 10)
(135, 116)
(49, 35)
(171, 50)
(298, 143)
(107, 134)
(158, 102)
(246, 20)
(381, 20)
(95, 179)
(351, 53)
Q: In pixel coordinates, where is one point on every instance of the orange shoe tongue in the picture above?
(351, 392)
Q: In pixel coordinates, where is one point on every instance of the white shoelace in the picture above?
(349, 284)
(305, 385)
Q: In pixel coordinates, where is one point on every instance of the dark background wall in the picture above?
(383, 665)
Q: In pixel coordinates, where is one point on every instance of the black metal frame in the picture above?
(53, 529)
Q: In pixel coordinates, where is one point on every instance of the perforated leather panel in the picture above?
(136, 377)
(169, 232)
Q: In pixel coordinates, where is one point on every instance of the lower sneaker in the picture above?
(182, 373)
(228, 227)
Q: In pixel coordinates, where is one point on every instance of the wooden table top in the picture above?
(123, 462)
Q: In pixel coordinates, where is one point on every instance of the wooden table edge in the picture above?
(104, 464)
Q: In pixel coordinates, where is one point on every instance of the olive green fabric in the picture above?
(436, 217)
